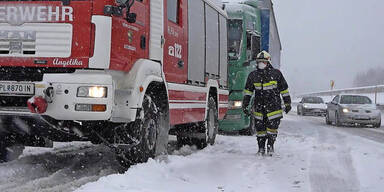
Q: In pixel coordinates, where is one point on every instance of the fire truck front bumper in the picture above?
(80, 96)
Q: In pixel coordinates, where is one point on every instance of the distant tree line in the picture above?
(369, 78)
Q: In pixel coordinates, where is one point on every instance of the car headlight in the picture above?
(345, 110)
(305, 106)
(235, 104)
(94, 92)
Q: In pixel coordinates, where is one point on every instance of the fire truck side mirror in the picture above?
(130, 17)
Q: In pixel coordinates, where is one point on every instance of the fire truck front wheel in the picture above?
(144, 130)
(9, 150)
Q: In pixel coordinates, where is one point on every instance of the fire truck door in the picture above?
(175, 45)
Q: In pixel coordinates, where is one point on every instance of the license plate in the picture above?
(17, 88)
(362, 118)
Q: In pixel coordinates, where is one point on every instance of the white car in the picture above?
(353, 109)
(311, 106)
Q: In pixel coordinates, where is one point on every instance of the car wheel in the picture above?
(327, 121)
(298, 111)
(337, 120)
(377, 125)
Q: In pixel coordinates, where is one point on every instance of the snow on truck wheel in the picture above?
(205, 132)
(144, 132)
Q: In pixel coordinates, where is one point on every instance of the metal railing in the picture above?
(357, 90)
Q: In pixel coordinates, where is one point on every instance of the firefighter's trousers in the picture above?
(267, 127)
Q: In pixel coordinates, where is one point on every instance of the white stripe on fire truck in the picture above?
(191, 104)
(187, 101)
(187, 106)
(181, 87)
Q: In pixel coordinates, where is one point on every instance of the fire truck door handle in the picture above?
(143, 42)
(180, 63)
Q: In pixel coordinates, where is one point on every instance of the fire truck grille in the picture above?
(29, 74)
(36, 40)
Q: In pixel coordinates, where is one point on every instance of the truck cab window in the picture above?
(249, 46)
(255, 46)
(173, 10)
(235, 34)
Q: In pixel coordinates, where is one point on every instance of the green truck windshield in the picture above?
(235, 32)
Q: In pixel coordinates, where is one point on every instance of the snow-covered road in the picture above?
(310, 156)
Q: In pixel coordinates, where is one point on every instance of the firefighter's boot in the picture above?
(270, 143)
(261, 143)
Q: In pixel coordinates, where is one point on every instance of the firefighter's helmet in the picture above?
(263, 57)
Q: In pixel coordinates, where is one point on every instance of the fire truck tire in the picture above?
(149, 128)
(9, 150)
(210, 126)
(145, 130)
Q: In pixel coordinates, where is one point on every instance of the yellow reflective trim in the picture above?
(270, 83)
(261, 133)
(275, 113)
(258, 114)
(271, 130)
(285, 91)
(285, 94)
(257, 84)
(248, 92)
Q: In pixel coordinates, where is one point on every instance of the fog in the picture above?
(329, 40)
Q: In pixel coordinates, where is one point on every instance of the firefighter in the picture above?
(266, 84)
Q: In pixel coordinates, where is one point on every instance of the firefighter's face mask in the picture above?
(261, 65)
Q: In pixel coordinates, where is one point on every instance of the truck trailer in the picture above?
(251, 29)
(125, 73)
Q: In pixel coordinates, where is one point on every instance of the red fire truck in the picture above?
(126, 73)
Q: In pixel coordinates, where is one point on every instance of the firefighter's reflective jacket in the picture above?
(267, 85)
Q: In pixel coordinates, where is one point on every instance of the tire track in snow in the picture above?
(334, 171)
(64, 169)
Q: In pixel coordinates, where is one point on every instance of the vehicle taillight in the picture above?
(92, 46)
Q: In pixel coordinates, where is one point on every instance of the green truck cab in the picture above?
(249, 32)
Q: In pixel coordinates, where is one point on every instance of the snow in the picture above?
(310, 156)
(230, 165)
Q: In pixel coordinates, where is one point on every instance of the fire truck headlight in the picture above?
(94, 92)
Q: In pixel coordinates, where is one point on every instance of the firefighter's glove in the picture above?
(246, 112)
(287, 109)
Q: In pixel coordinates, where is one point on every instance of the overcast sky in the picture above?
(329, 40)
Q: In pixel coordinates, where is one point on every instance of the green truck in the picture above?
(251, 29)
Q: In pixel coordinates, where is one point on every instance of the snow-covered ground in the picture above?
(310, 156)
